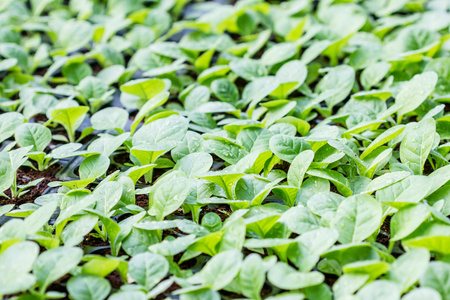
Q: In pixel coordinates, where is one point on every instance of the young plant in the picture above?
(70, 116)
(38, 137)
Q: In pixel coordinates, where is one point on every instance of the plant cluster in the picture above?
(225, 149)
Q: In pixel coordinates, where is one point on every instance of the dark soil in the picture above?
(121, 158)
(90, 241)
(26, 175)
(334, 189)
(96, 68)
(330, 279)
(118, 161)
(157, 173)
(40, 118)
(427, 169)
(115, 280)
(142, 200)
(385, 232)
(186, 265)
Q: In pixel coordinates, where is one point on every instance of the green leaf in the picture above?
(279, 53)
(106, 196)
(299, 167)
(54, 263)
(17, 261)
(324, 203)
(148, 269)
(40, 217)
(422, 293)
(357, 218)
(417, 144)
(409, 267)
(6, 175)
(258, 89)
(254, 139)
(76, 71)
(374, 73)
(225, 90)
(248, 69)
(383, 138)
(4, 209)
(221, 269)
(414, 92)
(109, 118)
(341, 77)
(94, 166)
(252, 276)
(224, 148)
(435, 243)
(299, 219)
(310, 245)
(380, 289)
(378, 163)
(339, 180)
(373, 268)
(167, 131)
(70, 118)
(287, 278)
(14, 51)
(253, 163)
(437, 277)
(167, 196)
(408, 191)
(156, 101)
(8, 123)
(276, 112)
(287, 147)
(128, 295)
(88, 287)
(198, 96)
(348, 284)
(35, 135)
(74, 35)
(74, 233)
(226, 180)
(290, 77)
(194, 164)
(144, 89)
(408, 219)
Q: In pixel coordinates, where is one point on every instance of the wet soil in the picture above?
(142, 200)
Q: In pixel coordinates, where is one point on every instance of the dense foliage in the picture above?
(215, 150)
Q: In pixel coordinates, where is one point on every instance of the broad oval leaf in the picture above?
(88, 287)
(287, 147)
(357, 218)
(17, 261)
(148, 269)
(54, 263)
